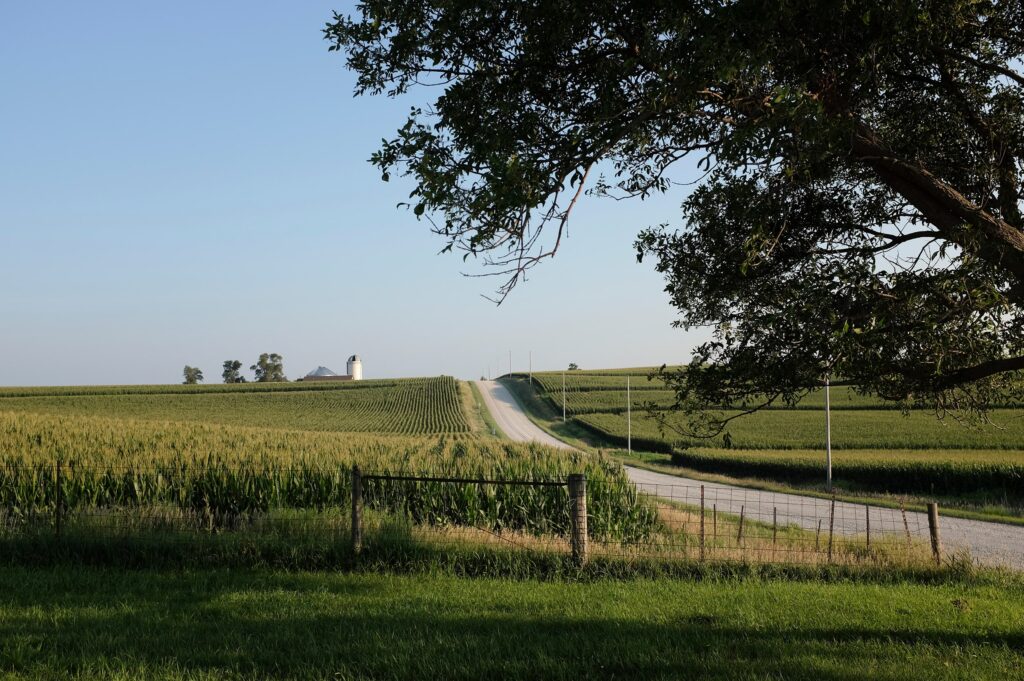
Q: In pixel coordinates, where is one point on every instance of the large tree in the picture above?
(231, 373)
(193, 375)
(858, 209)
(269, 368)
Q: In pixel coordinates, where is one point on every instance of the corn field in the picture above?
(407, 406)
(227, 475)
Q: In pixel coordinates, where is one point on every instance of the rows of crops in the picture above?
(877, 446)
(576, 381)
(950, 472)
(198, 389)
(592, 392)
(615, 401)
(235, 472)
(851, 429)
(409, 406)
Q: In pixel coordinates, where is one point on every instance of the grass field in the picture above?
(75, 623)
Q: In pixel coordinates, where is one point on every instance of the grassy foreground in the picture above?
(67, 623)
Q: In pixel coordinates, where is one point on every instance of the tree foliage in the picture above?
(192, 375)
(231, 373)
(858, 209)
(269, 368)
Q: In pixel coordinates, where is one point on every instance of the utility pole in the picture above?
(563, 397)
(828, 438)
(629, 419)
(531, 368)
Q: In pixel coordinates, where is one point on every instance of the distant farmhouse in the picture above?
(354, 367)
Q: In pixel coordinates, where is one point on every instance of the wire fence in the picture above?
(729, 523)
(342, 506)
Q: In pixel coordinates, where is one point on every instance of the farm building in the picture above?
(321, 373)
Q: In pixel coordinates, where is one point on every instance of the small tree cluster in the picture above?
(231, 373)
(268, 368)
(193, 375)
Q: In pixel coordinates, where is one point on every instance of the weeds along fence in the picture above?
(349, 513)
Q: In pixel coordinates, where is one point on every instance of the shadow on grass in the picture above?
(252, 624)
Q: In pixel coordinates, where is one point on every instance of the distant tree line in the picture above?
(269, 368)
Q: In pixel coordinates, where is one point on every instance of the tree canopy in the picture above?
(192, 375)
(231, 371)
(858, 208)
(269, 368)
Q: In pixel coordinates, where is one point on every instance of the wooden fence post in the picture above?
(578, 517)
(702, 522)
(933, 530)
(817, 538)
(714, 521)
(357, 510)
(59, 505)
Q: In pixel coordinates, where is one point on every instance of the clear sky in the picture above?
(186, 183)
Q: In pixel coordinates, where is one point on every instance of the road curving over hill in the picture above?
(510, 417)
(994, 544)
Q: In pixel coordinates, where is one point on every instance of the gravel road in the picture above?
(988, 543)
(511, 419)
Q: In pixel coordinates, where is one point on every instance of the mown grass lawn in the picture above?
(111, 624)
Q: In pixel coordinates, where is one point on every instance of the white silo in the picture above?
(355, 368)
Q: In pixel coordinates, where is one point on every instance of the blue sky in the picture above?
(187, 183)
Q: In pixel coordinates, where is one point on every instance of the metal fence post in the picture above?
(867, 524)
(58, 508)
(775, 524)
(739, 532)
(578, 513)
(357, 510)
(702, 522)
(906, 525)
(831, 526)
(933, 530)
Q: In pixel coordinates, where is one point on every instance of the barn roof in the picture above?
(321, 371)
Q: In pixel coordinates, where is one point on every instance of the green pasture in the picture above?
(114, 625)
